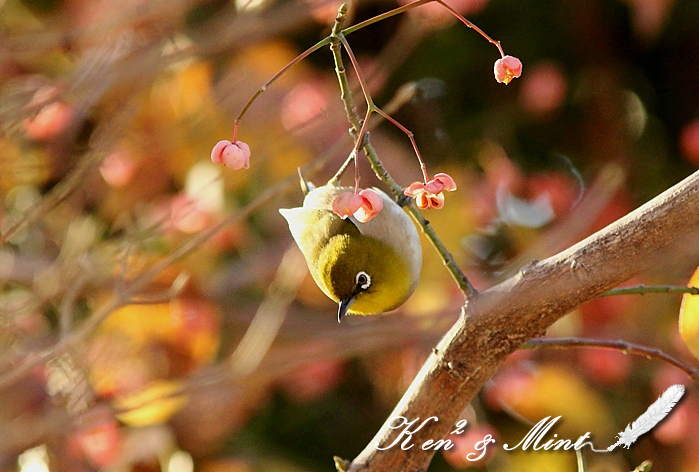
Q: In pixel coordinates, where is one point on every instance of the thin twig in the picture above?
(618, 345)
(410, 136)
(402, 96)
(164, 296)
(371, 108)
(383, 175)
(67, 305)
(383, 16)
(105, 139)
(468, 23)
(339, 34)
(501, 319)
(358, 127)
(132, 287)
(281, 72)
(270, 315)
(643, 289)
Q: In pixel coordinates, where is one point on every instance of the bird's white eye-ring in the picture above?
(363, 280)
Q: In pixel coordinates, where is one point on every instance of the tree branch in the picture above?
(618, 345)
(643, 289)
(376, 165)
(497, 321)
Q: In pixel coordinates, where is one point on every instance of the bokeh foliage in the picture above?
(109, 111)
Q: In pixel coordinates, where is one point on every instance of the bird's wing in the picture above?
(312, 228)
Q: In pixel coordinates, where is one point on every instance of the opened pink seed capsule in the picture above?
(507, 68)
(371, 205)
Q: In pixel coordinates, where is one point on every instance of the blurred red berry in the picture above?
(99, 442)
(52, 118)
(543, 89)
(689, 142)
(606, 366)
(436, 15)
(313, 380)
(666, 377)
(507, 387)
(507, 68)
(303, 104)
(675, 428)
(118, 168)
(561, 190)
(187, 215)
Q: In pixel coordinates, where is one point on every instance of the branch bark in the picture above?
(497, 321)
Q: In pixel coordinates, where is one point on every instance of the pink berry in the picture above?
(689, 142)
(235, 155)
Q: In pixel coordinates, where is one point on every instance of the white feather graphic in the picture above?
(653, 415)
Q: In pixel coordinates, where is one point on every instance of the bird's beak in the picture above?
(344, 306)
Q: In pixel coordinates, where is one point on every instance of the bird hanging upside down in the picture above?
(368, 268)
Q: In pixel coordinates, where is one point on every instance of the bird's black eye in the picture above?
(363, 280)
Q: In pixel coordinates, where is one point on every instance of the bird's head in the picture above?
(364, 275)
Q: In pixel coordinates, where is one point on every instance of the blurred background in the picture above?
(224, 356)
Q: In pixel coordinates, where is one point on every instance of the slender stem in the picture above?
(270, 315)
(359, 139)
(67, 306)
(360, 77)
(643, 289)
(619, 345)
(371, 107)
(383, 16)
(358, 128)
(123, 295)
(401, 97)
(472, 26)
(164, 296)
(410, 136)
(381, 171)
(341, 72)
(339, 33)
(427, 229)
(297, 59)
(335, 178)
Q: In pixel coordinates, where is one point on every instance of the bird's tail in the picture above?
(306, 186)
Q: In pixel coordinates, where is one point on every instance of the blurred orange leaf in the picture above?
(151, 406)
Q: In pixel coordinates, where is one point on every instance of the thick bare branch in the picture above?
(496, 322)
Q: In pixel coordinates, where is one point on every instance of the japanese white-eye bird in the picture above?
(367, 268)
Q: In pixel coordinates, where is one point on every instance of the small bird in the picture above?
(368, 268)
